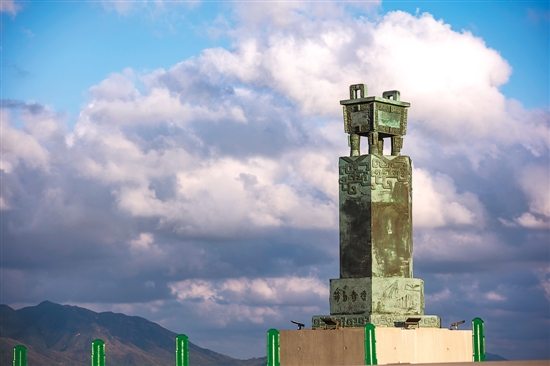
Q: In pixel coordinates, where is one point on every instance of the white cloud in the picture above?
(116, 87)
(289, 290)
(9, 6)
(535, 182)
(494, 296)
(43, 123)
(309, 59)
(3, 204)
(458, 246)
(313, 77)
(544, 276)
(449, 77)
(441, 296)
(144, 241)
(159, 152)
(474, 293)
(21, 147)
(244, 299)
(292, 16)
(536, 135)
(209, 191)
(528, 220)
(437, 203)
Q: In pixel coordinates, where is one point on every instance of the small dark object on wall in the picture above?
(300, 325)
(456, 324)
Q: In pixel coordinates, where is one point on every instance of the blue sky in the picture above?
(167, 158)
(89, 43)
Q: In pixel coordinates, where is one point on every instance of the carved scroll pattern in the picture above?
(355, 173)
(392, 321)
(379, 321)
(381, 175)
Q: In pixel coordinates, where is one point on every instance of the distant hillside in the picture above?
(493, 357)
(62, 335)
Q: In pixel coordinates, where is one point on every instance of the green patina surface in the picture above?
(375, 118)
(379, 320)
(376, 283)
(384, 296)
(375, 216)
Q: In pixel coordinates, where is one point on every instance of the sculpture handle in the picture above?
(355, 88)
(391, 93)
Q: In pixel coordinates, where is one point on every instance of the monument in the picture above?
(376, 283)
(376, 306)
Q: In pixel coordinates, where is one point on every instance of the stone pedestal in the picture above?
(399, 296)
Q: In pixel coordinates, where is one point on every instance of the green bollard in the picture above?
(370, 345)
(182, 350)
(19, 356)
(273, 348)
(98, 353)
(478, 338)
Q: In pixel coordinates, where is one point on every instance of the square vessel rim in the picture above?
(374, 99)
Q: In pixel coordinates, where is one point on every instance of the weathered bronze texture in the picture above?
(379, 320)
(376, 118)
(384, 296)
(376, 283)
(375, 216)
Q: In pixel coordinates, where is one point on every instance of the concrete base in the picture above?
(346, 346)
(423, 345)
(322, 347)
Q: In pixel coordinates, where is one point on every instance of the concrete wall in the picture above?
(423, 345)
(345, 346)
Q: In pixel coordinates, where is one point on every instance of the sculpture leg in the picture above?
(381, 146)
(373, 142)
(354, 143)
(396, 145)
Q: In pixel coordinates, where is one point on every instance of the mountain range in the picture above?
(62, 335)
(57, 334)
